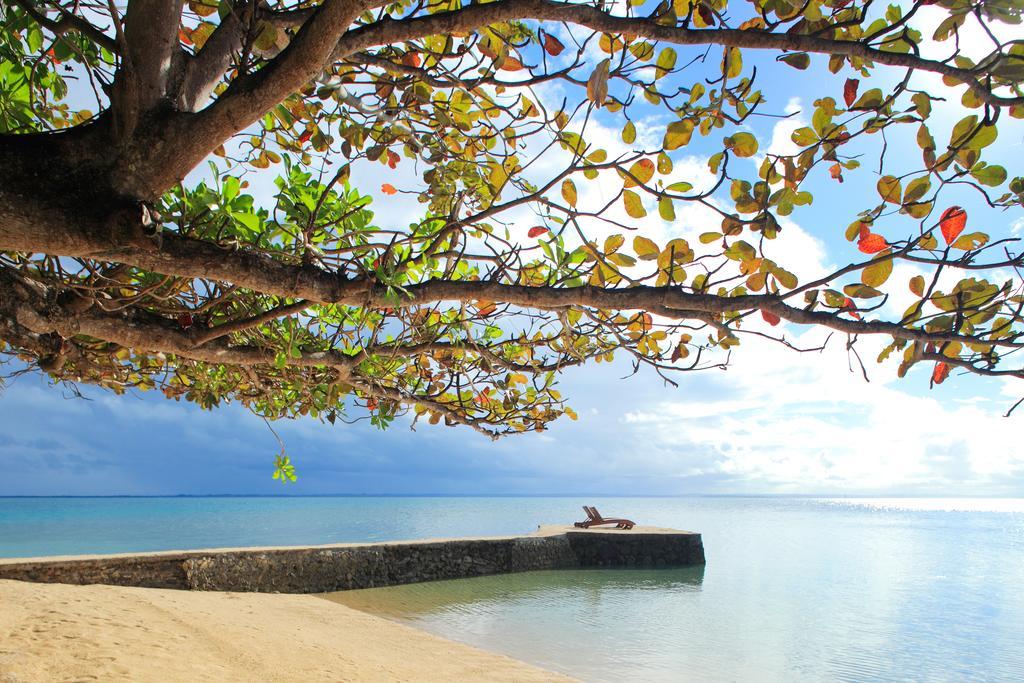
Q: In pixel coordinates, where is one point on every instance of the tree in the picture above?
(128, 263)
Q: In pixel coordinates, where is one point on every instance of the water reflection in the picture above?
(423, 600)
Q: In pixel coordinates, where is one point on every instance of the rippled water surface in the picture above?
(794, 588)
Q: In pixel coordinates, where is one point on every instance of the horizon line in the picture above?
(515, 495)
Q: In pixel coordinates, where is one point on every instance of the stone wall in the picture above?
(331, 568)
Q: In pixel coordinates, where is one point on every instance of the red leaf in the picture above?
(553, 46)
(183, 36)
(770, 318)
(952, 223)
(706, 15)
(411, 59)
(388, 189)
(305, 136)
(185, 320)
(393, 159)
(487, 310)
(836, 171)
(537, 231)
(371, 404)
(850, 308)
(872, 243)
(850, 91)
(511, 64)
(940, 373)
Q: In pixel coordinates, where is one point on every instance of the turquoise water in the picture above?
(794, 588)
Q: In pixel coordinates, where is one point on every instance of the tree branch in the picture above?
(207, 67)
(391, 31)
(186, 257)
(151, 45)
(392, 394)
(248, 323)
(248, 97)
(68, 22)
(462, 347)
(28, 304)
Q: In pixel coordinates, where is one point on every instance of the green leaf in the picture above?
(993, 176)
(797, 60)
(859, 291)
(923, 103)
(742, 144)
(962, 130)
(916, 189)
(871, 99)
(879, 271)
(665, 209)
(664, 164)
(805, 137)
(680, 187)
(267, 38)
(890, 189)
(785, 278)
(740, 250)
(629, 133)
(666, 62)
(678, 134)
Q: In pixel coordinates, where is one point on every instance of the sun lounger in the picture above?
(594, 518)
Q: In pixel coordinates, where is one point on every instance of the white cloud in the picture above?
(782, 134)
(797, 423)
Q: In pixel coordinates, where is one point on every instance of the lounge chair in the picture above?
(594, 518)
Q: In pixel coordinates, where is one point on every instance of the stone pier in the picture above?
(321, 569)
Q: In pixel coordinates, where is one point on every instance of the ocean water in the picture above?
(794, 589)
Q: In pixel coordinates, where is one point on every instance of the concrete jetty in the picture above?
(325, 568)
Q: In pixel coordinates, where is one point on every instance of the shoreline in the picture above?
(59, 631)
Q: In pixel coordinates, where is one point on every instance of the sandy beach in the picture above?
(54, 632)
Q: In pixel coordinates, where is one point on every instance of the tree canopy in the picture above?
(185, 194)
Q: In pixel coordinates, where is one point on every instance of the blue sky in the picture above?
(775, 422)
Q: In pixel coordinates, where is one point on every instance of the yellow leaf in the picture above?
(645, 248)
(569, 192)
(678, 134)
(890, 189)
(640, 172)
(879, 271)
(742, 144)
(634, 207)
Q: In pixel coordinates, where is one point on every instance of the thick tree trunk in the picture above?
(52, 180)
(84, 192)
